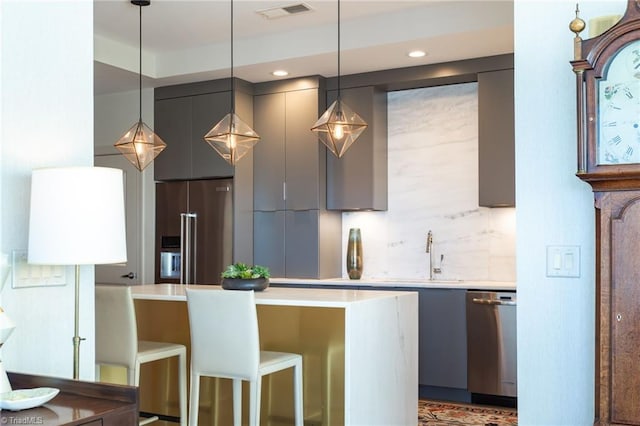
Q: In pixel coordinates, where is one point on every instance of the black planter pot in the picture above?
(256, 284)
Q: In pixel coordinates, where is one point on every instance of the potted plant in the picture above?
(240, 276)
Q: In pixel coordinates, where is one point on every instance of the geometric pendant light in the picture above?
(339, 126)
(140, 145)
(231, 137)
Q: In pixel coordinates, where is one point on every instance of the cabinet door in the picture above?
(358, 180)
(173, 124)
(442, 338)
(301, 244)
(268, 240)
(305, 154)
(208, 110)
(625, 314)
(269, 157)
(496, 139)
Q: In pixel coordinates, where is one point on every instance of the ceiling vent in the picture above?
(282, 11)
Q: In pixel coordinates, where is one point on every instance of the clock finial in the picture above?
(576, 26)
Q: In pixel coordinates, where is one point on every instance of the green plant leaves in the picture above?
(242, 271)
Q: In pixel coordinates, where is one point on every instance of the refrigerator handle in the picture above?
(194, 236)
(183, 245)
(187, 248)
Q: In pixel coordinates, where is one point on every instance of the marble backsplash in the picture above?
(433, 185)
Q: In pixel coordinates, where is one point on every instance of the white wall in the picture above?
(433, 185)
(47, 120)
(555, 315)
(114, 114)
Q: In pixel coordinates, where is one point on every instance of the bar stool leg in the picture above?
(237, 402)
(297, 393)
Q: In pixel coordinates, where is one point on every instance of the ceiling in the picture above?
(186, 41)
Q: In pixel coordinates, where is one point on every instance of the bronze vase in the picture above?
(354, 254)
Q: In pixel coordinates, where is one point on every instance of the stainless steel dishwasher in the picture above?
(491, 343)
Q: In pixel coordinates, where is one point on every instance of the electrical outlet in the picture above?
(563, 261)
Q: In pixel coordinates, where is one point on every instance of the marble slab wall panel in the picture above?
(433, 185)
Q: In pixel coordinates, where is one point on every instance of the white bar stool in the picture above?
(117, 341)
(225, 343)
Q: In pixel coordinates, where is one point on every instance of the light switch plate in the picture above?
(26, 275)
(563, 261)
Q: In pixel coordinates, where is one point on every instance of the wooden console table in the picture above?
(78, 403)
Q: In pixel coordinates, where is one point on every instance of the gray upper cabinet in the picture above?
(268, 166)
(183, 115)
(172, 118)
(305, 154)
(289, 166)
(207, 111)
(496, 139)
(358, 180)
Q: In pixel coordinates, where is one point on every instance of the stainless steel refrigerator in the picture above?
(194, 230)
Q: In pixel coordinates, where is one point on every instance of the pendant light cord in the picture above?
(140, 62)
(338, 49)
(233, 100)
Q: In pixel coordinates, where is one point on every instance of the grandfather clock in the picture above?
(607, 69)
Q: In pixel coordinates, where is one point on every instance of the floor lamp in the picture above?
(77, 218)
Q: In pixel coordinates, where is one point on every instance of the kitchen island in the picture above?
(396, 284)
(360, 353)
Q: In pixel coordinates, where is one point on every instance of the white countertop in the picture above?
(400, 283)
(331, 298)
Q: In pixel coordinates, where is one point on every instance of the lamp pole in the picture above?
(76, 328)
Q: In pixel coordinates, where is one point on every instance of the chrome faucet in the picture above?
(429, 249)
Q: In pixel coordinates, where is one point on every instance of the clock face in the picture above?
(619, 108)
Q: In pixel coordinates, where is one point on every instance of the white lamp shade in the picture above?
(77, 216)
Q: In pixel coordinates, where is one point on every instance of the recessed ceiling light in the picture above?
(281, 11)
(416, 54)
(280, 73)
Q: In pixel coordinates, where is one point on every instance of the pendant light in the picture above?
(339, 126)
(140, 145)
(232, 138)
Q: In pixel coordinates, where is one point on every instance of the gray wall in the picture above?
(114, 113)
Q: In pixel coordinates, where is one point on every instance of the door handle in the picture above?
(130, 275)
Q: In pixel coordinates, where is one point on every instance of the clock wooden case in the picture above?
(607, 69)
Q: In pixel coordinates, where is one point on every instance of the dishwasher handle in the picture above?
(494, 302)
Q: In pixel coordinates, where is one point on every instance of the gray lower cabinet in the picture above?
(268, 241)
(358, 180)
(298, 244)
(496, 139)
(442, 338)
